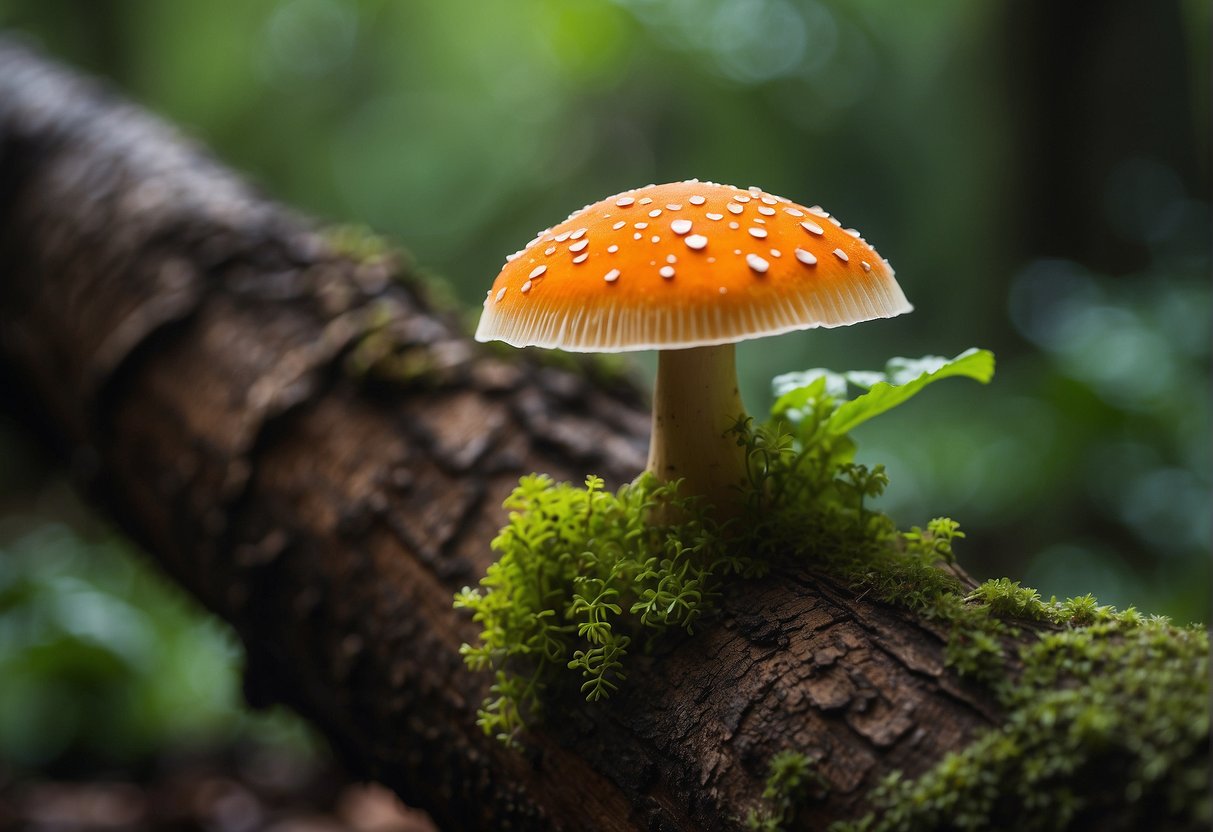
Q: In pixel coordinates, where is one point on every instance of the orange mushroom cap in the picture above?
(686, 264)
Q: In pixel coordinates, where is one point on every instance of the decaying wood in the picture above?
(187, 344)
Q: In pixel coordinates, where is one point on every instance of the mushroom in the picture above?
(688, 268)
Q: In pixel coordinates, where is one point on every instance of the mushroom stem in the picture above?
(694, 403)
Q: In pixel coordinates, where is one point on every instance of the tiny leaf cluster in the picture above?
(791, 776)
(582, 574)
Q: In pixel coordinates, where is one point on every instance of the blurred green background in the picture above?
(1037, 172)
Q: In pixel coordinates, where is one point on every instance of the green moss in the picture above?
(584, 573)
(586, 576)
(380, 354)
(791, 778)
(388, 260)
(1122, 700)
(386, 355)
(358, 243)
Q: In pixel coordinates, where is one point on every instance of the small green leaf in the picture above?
(818, 381)
(903, 378)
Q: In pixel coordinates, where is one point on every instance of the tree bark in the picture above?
(188, 346)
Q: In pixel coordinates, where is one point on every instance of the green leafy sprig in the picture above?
(791, 775)
(583, 572)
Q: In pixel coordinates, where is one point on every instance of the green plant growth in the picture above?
(1109, 691)
(585, 575)
(581, 576)
(791, 775)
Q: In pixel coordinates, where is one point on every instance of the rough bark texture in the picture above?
(186, 343)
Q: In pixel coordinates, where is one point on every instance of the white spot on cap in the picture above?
(758, 232)
(735, 208)
(770, 200)
(510, 258)
(656, 212)
(578, 246)
(776, 253)
(550, 250)
(619, 225)
(757, 263)
(854, 232)
(817, 210)
(673, 206)
(766, 210)
(624, 201)
(741, 197)
(836, 221)
(646, 201)
(711, 259)
(637, 236)
(666, 271)
(806, 257)
(841, 255)
(712, 216)
(611, 276)
(642, 225)
(612, 248)
(656, 239)
(670, 258)
(526, 287)
(794, 212)
(538, 270)
(697, 200)
(680, 226)
(734, 225)
(578, 234)
(867, 267)
(501, 293)
(696, 241)
(562, 236)
(723, 290)
(812, 227)
(580, 258)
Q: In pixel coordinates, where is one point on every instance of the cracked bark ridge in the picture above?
(184, 341)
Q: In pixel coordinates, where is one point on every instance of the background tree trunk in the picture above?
(198, 356)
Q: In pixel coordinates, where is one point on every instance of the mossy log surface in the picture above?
(296, 433)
